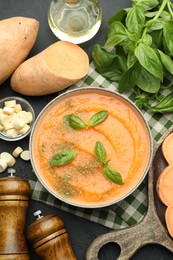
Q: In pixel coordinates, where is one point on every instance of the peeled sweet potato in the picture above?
(55, 68)
(18, 35)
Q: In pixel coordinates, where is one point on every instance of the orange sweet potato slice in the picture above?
(169, 218)
(164, 185)
(167, 148)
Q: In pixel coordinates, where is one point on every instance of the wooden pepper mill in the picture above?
(49, 238)
(14, 196)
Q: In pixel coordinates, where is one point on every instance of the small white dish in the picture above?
(26, 106)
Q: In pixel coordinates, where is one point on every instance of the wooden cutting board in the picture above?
(151, 229)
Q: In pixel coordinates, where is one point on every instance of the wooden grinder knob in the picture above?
(14, 196)
(49, 238)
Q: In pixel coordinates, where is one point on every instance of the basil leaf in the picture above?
(151, 14)
(135, 19)
(165, 102)
(148, 82)
(112, 175)
(101, 57)
(105, 63)
(129, 78)
(156, 25)
(98, 118)
(148, 58)
(164, 106)
(130, 44)
(131, 59)
(147, 39)
(165, 15)
(62, 158)
(110, 73)
(100, 152)
(167, 61)
(147, 4)
(119, 16)
(121, 57)
(157, 39)
(116, 34)
(168, 36)
(75, 122)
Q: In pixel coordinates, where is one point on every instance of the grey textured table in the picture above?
(81, 232)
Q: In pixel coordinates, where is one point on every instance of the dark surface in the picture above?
(81, 232)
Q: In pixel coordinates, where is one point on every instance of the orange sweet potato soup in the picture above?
(124, 139)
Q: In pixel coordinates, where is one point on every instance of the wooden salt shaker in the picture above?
(14, 196)
(49, 238)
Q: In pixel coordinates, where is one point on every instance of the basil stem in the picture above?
(62, 158)
(98, 118)
(75, 122)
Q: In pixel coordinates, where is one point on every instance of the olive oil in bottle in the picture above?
(76, 21)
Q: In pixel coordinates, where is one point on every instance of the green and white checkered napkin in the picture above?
(132, 209)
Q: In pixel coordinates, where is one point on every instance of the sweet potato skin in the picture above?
(35, 77)
(18, 35)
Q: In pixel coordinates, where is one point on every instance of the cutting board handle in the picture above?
(133, 238)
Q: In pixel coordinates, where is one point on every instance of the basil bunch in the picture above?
(109, 173)
(142, 58)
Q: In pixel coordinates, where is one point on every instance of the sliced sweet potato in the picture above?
(55, 68)
(165, 185)
(18, 35)
(169, 218)
(167, 148)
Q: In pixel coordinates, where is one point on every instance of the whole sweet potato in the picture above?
(55, 68)
(17, 37)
